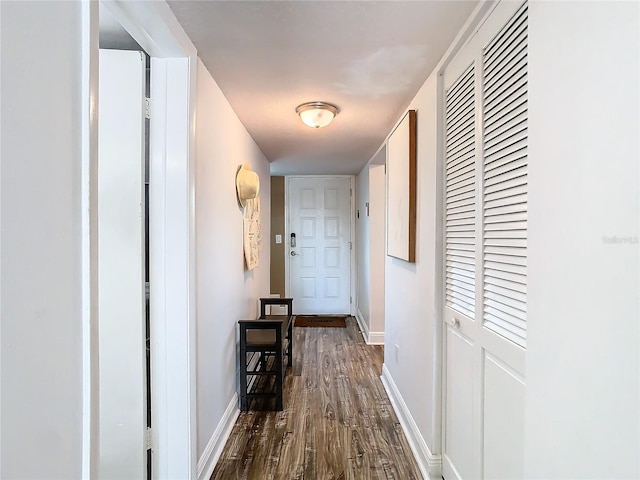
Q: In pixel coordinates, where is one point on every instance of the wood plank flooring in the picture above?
(337, 421)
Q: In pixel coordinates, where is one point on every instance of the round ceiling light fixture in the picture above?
(317, 114)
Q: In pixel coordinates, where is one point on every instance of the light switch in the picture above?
(278, 238)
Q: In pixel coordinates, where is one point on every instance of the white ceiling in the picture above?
(368, 57)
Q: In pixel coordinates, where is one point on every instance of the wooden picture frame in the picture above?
(401, 189)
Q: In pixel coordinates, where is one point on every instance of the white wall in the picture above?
(363, 250)
(40, 294)
(582, 397)
(370, 238)
(226, 292)
(377, 250)
(411, 303)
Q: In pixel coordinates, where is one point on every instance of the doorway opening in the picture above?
(170, 229)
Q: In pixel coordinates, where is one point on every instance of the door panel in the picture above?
(459, 449)
(503, 420)
(122, 339)
(320, 262)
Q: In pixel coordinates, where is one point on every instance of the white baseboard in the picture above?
(376, 338)
(214, 448)
(364, 328)
(430, 465)
(370, 338)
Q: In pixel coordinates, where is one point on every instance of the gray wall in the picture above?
(41, 258)
(583, 340)
(226, 291)
(277, 228)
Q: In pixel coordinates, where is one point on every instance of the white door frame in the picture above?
(352, 226)
(172, 233)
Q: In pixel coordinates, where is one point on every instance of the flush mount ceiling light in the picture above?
(317, 114)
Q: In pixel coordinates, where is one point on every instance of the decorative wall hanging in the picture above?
(401, 189)
(247, 189)
(252, 231)
(247, 184)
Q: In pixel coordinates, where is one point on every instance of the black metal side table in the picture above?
(265, 345)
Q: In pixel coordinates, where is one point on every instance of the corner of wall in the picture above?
(376, 338)
(364, 328)
(430, 464)
(213, 450)
(370, 338)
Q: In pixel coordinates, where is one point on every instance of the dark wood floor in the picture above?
(337, 423)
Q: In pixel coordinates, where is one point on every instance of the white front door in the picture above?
(121, 298)
(319, 244)
(485, 89)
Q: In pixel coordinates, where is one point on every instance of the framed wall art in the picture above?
(401, 189)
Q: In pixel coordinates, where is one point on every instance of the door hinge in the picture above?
(147, 107)
(350, 192)
(148, 438)
(350, 246)
(350, 299)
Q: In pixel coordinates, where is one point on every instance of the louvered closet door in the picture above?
(485, 90)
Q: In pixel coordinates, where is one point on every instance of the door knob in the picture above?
(454, 322)
(293, 253)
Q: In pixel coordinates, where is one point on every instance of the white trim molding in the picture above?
(90, 351)
(430, 464)
(172, 300)
(376, 338)
(216, 444)
(364, 328)
(370, 338)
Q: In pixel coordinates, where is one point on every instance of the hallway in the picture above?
(338, 422)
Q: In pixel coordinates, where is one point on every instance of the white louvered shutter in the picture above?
(505, 181)
(460, 202)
